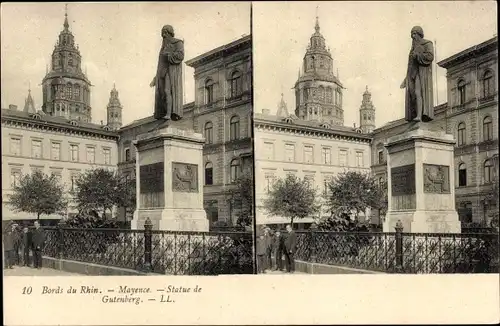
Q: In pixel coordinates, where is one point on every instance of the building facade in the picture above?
(53, 145)
(471, 116)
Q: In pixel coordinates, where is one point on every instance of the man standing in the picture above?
(8, 246)
(419, 103)
(290, 247)
(261, 252)
(268, 239)
(25, 246)
(38, 239)
(278, 250)
(168, 79)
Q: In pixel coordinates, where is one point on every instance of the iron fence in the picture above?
(164, 252)
(399, 252)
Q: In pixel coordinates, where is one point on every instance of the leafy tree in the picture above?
(352, 192)
(38, 193)
(99, 190)
(291, 197)
(243, 195)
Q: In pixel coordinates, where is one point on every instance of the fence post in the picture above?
(399, 246)
(148, 226)
(60, 241)
(312, 247)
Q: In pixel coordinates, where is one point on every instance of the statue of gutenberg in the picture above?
(168, 79)
(419, 104)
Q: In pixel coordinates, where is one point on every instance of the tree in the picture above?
(243, 195)
(38, 193)
(291, 197)
(352, 192)
(99, 190)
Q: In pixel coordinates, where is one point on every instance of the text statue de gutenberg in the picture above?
(419, 104)
(168, 79)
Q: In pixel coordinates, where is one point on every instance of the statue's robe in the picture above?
(168, 94)
(419, 95)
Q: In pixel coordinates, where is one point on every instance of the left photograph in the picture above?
(127, 139)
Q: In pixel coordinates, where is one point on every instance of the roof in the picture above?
(218, 52)
(45, 119)
(145, 120)
(309, 125)
(489, 45)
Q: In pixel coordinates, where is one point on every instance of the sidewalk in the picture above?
(27, 271)
(269, 272)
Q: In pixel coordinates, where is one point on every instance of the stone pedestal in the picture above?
(169, 175)
(421, 181)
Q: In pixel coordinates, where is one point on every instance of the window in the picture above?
(461, 92)
(381, 157)
(289, 152)
(359, 159)
(234, 128)
(488, 169)
(209, 132)
(91, 154)
(107, 155)
(236, 84)
(461, 133)
(235, 169)
(269, 177)
(70, 62)
(488, 84)
(326, 155)
(127, 154)
(465, 212)
(57, 175)
(73, 152)
(268, 151)
(209, 91)
(310, 180)
(74, 178)
(308, 154)
(343, 157)
(462, 175)
(69, 92)
(36, 148)
(77, 92)
(326, 185)
(15, 146)
(487, 128)
(209, 174)
(15, 178)
(56, 151)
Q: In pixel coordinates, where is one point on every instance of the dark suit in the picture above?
(8, 247)
(269, 248)
(38, 240)
(278, 246)
(26, 246)
(290, 248)
(261, 252)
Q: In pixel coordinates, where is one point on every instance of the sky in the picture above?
(369, 42)
(119, 43)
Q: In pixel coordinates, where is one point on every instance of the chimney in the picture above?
(102, 123)
(12, 107)
(266, 111)
(355, 125)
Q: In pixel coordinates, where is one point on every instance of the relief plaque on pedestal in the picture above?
(184, 177)
(436, 179)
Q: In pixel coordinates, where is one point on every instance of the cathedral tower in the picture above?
(282, 109)
(29, 103)
(114, 110)
(367, 113)
(318, 92)
(66, 89)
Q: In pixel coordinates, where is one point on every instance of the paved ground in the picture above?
(268, 272)
(26, 271)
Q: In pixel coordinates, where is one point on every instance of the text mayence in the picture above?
(126, 289)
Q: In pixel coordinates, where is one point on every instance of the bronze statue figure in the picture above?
(419, 104)
(168, 79)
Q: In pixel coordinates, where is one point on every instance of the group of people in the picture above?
(278, 245)
(20, 243)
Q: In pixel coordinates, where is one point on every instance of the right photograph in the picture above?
(376, 137)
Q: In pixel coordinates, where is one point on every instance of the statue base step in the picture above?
(424, 221)
(172, 219)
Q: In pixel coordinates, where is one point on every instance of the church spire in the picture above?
(66, 24)
(29, 103)
(282, 108)
(316, 27)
